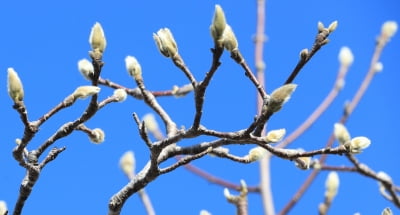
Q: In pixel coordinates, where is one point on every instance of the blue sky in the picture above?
(43, 41)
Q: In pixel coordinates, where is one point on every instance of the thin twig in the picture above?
(319, 110)
(349, 109)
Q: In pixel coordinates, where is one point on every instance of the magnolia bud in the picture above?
(127, 163)
(321, 26)
(332, 185)
(304, 54)
(150, 122)
(3, 207)
(346, 57)
(83, 92)
(332, 27)
(120, 95)
(280, 96)
(357, 144)
(204, 212)
(389, 28)
(165, 42)
(256, 153)
(133, 67)
(378, 67)
(341, 133)
(218, 23)
(303, 163)
(97, 39)
(14, 86)
(229, 39)
(86, 69)
(97, 136)
(387, 211)
(275, 135)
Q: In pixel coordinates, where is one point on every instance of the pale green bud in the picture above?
(165, 42)
(86, 68)
(346, 57)
(229, 39)
(97, 136)
(358, 144)
(280, 96)
(120, 94)
(332, 185)
(14, 86)
(389, 28)
(133, 67)
(275, 135)
(218, 23)
(341, 133)
(127, 163)
(97, 38)
(83, 92)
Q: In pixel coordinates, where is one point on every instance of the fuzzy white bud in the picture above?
(218, 23)
(280, 96)
(150, 122)
(332, 185)
(332, 27)
(97, 38)
(86, 68)
(133, 67)
(358, 144)
(256, 153)
(127, 163)
(83, 92)
(97, 136)
(378, 67)
(275, 135)
(229, 39)
(3, 207)
(346, 57)
(389, 28)
(204, 212)
(387, 211)
(165, 42)
(14, 85)
(120, 95)
(341, 133)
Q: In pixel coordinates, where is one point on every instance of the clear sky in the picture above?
(43, 41)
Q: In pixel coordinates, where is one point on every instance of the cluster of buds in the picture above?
(165, 42)
(222, 32)
(353, 145)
